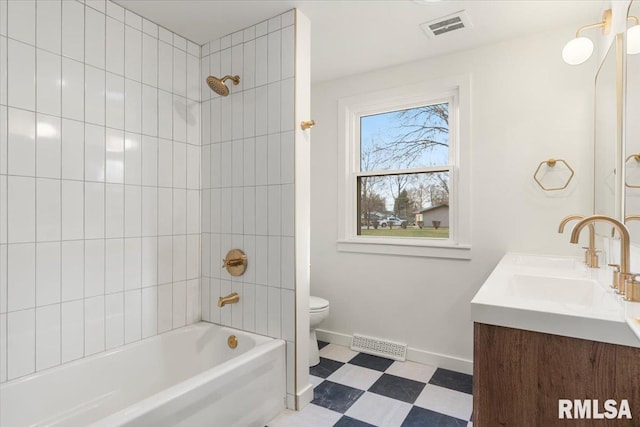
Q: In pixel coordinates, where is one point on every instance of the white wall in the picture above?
(99, 181)
(248, 181)
(527, 106)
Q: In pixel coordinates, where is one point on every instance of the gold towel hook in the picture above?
(551, 163)
(307, 125)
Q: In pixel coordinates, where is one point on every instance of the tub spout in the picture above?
(229, 299)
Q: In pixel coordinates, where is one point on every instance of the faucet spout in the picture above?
(591, 256)
(624, 242)
(566, 219)
(229, 299)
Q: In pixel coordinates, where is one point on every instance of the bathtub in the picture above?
(187, 377)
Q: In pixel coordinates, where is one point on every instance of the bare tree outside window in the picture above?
(404, 173)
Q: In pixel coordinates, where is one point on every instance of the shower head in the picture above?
(218, 86)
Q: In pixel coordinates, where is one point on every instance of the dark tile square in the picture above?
(351, 422)
(397, 388)
(453, 380)
(325, 368)
(420, 417)
(371, 362)
(322, 344)
(334, 396)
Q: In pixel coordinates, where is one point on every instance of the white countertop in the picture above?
(556, 295)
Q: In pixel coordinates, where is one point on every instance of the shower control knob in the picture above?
(235, 262)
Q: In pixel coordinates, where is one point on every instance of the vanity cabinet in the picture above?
(519, 377)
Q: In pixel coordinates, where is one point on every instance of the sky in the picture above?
(383, 128)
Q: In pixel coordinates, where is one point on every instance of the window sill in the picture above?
(403, 247)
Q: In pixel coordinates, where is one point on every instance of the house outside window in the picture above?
(405, 186)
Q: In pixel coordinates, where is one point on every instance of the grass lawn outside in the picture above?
(428, 232)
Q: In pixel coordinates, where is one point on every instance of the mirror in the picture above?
(632, 136)
(607, 184)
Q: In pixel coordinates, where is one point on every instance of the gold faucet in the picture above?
(590, 255)
(229, 299)
(620, 276)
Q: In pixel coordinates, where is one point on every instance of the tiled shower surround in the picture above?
(248, 181)
(104, 182)
(99, 181)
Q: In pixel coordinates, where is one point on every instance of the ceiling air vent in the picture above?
(446, 24)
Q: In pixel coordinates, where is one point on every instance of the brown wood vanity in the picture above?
(519, 377)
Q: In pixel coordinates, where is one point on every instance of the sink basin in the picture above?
(578, 292)
(555, 295)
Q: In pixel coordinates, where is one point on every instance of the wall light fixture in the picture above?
(579, 49)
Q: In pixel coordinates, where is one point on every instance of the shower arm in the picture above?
(234, 79)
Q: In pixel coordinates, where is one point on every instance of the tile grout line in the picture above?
(255, 172)
(173, 142)
(61, 195)
(35, 246)
(186, 184)
(141, 175)
(211, 265)
(106, 143)
(157, 257)
(280, 80)
(5, 354)
(124, 177)
(84, 202)
(104, 193)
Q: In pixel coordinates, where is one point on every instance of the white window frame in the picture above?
(456, 91)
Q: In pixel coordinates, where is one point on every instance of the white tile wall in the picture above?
(93, 99)
(49, 25)
(97, 105)
(247, 180)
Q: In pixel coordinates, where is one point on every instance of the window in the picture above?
(405, 186)
(403, 181)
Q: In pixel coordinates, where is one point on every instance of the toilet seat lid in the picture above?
(317, 303)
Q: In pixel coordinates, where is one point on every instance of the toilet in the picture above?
(318, 311)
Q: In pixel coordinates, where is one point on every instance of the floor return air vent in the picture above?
(379, 347)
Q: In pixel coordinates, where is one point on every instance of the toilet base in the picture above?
(314, 352)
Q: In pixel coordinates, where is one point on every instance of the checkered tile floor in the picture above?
(359, 390)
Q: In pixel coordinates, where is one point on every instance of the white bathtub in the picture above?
(187, 377)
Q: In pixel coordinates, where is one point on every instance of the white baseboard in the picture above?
(413, 354)
(334, 337)
(304, 397)
(440, 360)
